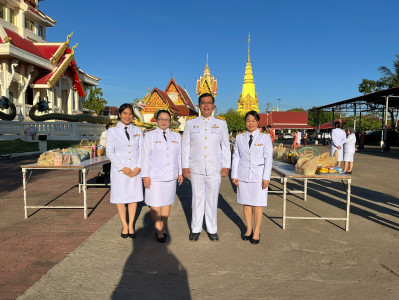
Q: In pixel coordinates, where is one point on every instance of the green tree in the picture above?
(389, 79)
(296, 109)
(369, 122)
(235, 121)
(324, 117)
(95, 101)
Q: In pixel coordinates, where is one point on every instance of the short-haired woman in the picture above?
(123, 144)
(349, 150)
(250, 172)
(161, 162)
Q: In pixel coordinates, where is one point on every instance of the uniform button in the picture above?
(167, 148)
(206, 147)
(129, 152)
(205, 156)
(167, 164)
(129, 159)
(167, 156)
(128, 145)
(206, 129)
(249, 160)
(206, 138)
(249, 154)
(249, 168)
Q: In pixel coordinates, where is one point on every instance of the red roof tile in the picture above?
(24, 44)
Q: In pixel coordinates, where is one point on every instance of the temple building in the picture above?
(174, 98)
(207, 83)
(32, 68)
(248, 99)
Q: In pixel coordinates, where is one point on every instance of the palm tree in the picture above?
(391, 78)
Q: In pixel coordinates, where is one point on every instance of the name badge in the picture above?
(174, 142)
(215, 126)
(136, 135)
(258, 144)
(157, 142)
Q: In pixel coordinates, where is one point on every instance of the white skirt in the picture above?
(125, 189)
(348, 156)
(161, 193)
(251, 193)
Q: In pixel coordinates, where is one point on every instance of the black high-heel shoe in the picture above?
(165, 235)
(132, 235)
(160, 239)
(247, 237)
(124, 235)
(253, 241)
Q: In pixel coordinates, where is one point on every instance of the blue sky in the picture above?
(307, 53)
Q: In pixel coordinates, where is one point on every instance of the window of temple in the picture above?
(12, 16)
(40, 30)
(29, 24)
(2, 11)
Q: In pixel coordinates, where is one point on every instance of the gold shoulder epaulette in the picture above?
(150, 129)
(220, 118)
(191, 117)
(175, 130)
(241, 132)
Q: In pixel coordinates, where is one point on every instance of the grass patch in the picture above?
(19, 146)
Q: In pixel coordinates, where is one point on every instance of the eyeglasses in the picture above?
(164, 120)
(206, 103)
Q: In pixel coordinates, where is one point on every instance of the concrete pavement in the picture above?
(311, 259)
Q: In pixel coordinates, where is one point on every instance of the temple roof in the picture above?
(58, 54)
(182, 93)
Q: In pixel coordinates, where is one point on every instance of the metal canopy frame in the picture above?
(377, 101)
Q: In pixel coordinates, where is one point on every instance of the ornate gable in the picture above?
(155, 102)
(174, 94)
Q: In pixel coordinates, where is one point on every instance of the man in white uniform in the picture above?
(206, 157)
(338, 137)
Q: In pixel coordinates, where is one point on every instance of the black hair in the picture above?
(108, 125)
(123, 107)
(206, 95)
(337, 124)
(161, 111)
(269, 126)
(252, 113)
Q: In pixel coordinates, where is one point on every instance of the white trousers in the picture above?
(205, 202)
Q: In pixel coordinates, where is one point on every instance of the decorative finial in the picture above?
(73, 48)
(171, 74)
(249, 40)
(207, 59)
(69, 36)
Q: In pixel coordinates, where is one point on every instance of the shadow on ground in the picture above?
(152, 271)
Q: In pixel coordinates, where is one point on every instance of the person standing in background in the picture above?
(338, 137)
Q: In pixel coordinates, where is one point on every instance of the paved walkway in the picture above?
(310, 259)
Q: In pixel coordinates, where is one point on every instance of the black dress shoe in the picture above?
(213, 236)
(132, 235)
(160, 239)
(253, 241)
(193, 236)
(247, 237)
(124, 235)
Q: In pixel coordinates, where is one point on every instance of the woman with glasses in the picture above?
(250, 172)
(161, 167)
(123, 144)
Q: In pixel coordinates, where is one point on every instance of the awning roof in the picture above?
(369, 101)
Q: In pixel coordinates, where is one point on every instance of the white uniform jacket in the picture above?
(122, 152)
(206, 148)
(338, 137)
(252, 164)
(350, 144)
(161, 160)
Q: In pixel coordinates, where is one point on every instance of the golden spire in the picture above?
(207, 72)
(248, 99)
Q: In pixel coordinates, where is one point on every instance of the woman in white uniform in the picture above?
(250, 172)
(349, 150)
(161, 167)
(123, 144)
